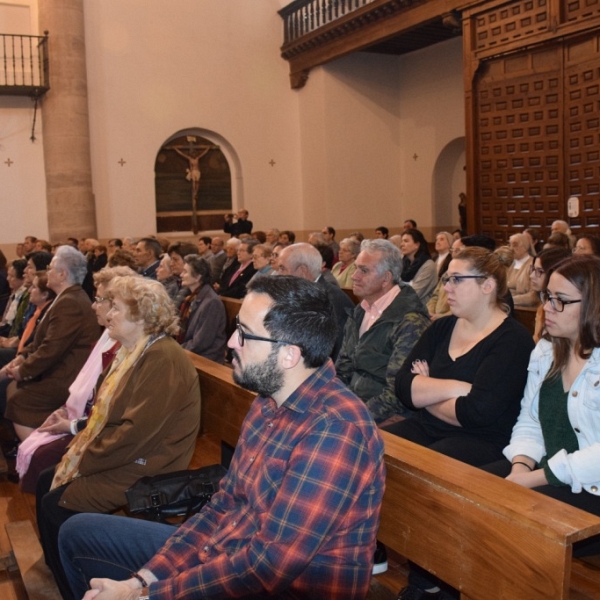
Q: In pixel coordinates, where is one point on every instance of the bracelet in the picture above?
(140, 579)
(518, 462)
(73, 427)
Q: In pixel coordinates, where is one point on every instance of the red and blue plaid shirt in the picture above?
(298, 511)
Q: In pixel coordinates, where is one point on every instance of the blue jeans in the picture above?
(93, 545)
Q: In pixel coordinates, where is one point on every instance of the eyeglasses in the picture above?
(243, 336)
(454, 280)
(558, 304)
(538, 272)
(100, 299)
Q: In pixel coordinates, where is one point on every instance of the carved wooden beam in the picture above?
(364, 27)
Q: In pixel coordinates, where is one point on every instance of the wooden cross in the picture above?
(121, 162)
(9, 162)
(272, 162)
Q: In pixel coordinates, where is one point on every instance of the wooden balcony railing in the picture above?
(303, 16)
(24, 65)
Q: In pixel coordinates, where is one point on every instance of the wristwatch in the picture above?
(145, 594)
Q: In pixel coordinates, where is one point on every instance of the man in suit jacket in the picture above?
(45, 369)
(304, 260)
(218, 257)
(234, 280)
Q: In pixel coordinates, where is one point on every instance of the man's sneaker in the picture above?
(412, 592)
(380, 564)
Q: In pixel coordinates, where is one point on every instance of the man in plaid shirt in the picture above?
(298, 511)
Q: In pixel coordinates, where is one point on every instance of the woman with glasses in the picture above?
(145, 419)
(47, 444)
(587, 244)
(555, 445)
(542, 263)
(465, 377)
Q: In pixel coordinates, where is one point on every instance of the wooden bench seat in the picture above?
(483, 535)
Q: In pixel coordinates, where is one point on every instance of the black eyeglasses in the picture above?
(558, 304)
(242, 336)
(454, 280)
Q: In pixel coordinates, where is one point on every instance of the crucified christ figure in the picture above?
(193, 173)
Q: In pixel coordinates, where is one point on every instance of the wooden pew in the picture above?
(232, 308)
(224, 404)
(526, 316)
(477, 532)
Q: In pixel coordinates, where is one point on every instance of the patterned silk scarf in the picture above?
(68, 468)
(184, 315)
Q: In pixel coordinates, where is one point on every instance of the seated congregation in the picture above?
(298, 510)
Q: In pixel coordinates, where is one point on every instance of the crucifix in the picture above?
(193, 155)
(9, 162)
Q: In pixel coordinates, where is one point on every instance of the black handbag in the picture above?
(172, 495)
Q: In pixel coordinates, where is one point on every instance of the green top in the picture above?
(556, 427)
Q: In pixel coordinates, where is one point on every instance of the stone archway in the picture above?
(197, 178)
(449, 180)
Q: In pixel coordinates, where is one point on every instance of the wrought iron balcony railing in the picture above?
(303, 16)
(24, 65)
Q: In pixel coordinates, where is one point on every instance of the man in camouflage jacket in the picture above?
(381, 331)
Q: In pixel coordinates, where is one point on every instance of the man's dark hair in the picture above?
(290, 234)
(205, 239)
(117, 242)
(73, 242)
(20, 265)
(40, 259)
(153, 245)
(301, 314)
(182, 248)
(412, 222)
(384, 230)
(326, 254)
(483, 241)
(31, 238)
(331, 230)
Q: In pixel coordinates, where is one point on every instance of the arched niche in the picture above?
(197, 180)
(449, 180)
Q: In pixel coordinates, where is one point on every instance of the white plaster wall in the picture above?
(22, 184)
(362, 120)
(342, 145)
(432, 115)
(349, 115)
(155, 68)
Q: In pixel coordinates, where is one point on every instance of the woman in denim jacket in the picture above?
(555, 445)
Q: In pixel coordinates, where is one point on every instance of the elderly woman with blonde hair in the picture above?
(47, 444)
(145, 419)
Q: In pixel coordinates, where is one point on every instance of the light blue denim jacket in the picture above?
(580, 469)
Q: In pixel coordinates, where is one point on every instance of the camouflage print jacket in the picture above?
(368, 365)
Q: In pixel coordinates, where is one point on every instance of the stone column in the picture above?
(65, 124)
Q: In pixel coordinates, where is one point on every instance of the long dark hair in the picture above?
(583, 271)
(410, 268)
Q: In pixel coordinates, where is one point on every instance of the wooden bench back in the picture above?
(232, 308)
(479, 533)
(224, 403)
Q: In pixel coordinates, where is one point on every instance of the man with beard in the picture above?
(298, 511)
